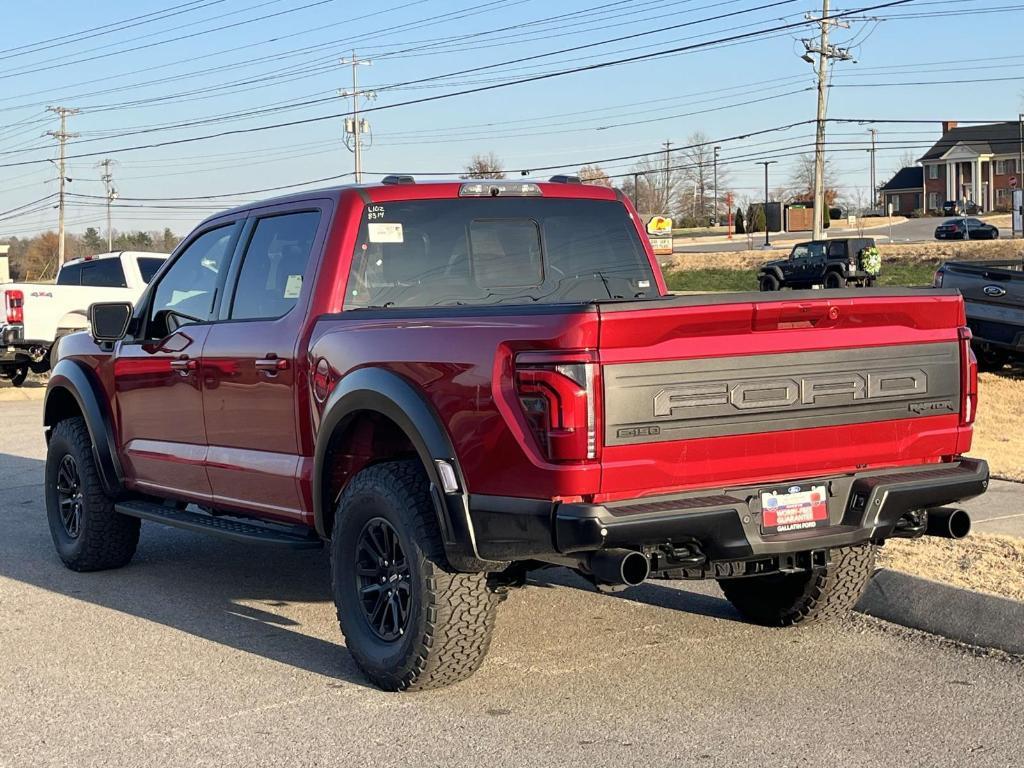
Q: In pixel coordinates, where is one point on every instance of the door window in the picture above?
(800, 252)
(105, 273)
(274, 266)
(70, 274)
(186, 292)
(148, 267)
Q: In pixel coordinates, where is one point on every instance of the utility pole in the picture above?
(1020, 169)
(61, 136)
(355, 126)
(874, 183)
(714, 214)
(766, 163)
(825, 53)
(668, 148)
(108, 183)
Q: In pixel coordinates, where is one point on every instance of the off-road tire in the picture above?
(768, 283)
(788, 599)
(16, 374)
(835, 280)
(450, 616)
(105, 538)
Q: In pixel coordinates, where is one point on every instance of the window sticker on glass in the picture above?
(384, 232)
(293, 287)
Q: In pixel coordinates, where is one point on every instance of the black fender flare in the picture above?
(74, 379)
(774, 272)
(385, 392)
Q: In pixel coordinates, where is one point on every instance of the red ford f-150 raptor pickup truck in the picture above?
(451, 383)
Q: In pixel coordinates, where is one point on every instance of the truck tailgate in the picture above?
(706, 391)
(994, 294)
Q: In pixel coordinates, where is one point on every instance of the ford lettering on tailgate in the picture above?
(675, 400)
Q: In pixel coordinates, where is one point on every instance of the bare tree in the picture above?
(484, 167)
(594, 174)
(656, 186)
(699, 174)
(802, 180)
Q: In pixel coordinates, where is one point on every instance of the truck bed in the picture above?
(830, 382)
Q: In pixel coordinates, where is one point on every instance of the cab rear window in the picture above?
(423, 253)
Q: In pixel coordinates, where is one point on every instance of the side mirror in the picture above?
(108, 321)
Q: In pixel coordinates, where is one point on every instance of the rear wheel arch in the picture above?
(72, 393)
(376, 408)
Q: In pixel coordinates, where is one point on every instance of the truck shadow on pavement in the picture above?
(252, 599)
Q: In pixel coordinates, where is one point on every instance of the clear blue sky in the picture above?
(725, 91)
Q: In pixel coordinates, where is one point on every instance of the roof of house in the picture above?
(911, 177)
(992, 138)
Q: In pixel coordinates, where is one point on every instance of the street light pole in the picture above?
(715, 204)
(766, 163)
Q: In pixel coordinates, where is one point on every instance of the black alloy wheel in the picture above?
(383, 580)
(69, 496)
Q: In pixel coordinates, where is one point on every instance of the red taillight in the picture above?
(968, 379)
(558, 396)
(14, 305)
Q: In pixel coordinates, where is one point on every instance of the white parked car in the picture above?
(36, 315)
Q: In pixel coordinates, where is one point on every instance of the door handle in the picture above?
(271, 364)
(184, 365)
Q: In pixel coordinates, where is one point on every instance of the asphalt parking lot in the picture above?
(204, 652)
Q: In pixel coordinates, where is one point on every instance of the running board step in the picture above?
(293, 536)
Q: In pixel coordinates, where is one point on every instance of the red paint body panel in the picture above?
(244, 439)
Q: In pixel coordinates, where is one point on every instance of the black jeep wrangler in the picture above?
(832, 263)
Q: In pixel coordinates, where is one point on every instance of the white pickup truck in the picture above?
(36, 315)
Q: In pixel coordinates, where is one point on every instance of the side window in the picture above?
(70, 275)
(837, 250)
(148, 267)
(816, 250)
(186, 292)
(105, 273)
(274, 266)
(799, 252)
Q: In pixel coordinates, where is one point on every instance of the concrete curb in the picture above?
(958, 614)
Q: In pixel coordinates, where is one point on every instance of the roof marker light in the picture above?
(500, 189)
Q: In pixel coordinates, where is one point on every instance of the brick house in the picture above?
(974, 162)
(904, 191)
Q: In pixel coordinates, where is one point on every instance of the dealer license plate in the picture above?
(795, 509)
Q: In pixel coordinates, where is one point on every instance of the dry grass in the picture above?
(999, 428)
(983, 562)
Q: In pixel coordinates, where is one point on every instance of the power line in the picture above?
(5, 74)
(106, 29)
(534, 78)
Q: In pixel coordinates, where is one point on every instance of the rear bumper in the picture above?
(725, 523)
(999, 326)
(14, 347)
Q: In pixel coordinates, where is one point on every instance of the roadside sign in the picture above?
(659, 231)
(1013, 182)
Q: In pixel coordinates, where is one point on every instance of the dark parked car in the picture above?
(832, 263)
(966, 229)
(958, 208)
